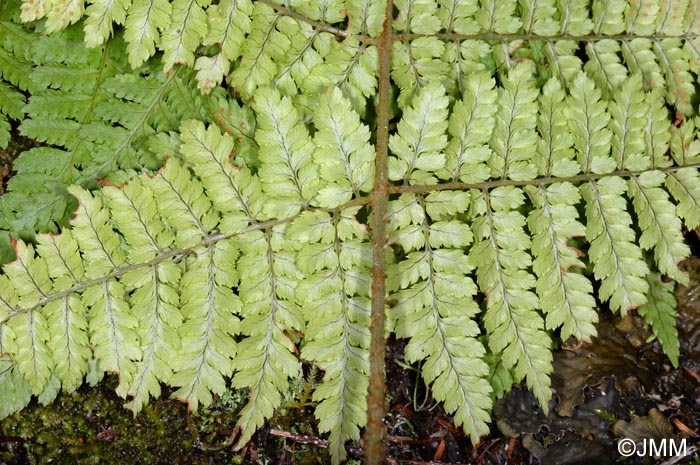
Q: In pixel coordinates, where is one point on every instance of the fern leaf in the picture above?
(30, 280)
(14, 390)
(343, 153)
(100, 16)
(208, 152)
(335, 301)
(301, 57)
(285, 154)
(617, 261)
(435, 305)
(627, 111)
(416, 65)
(63, 14)
(181, 201)
(464, 58)
(685, 147)
(366, 16)
(684, 185)
(639, 56)
(264, 44)
(416, 16)
(66, 317)
(111, 321)
(142, 26)
(641, 18)
(679, 82)
(470, 127)
(265, 361)
(565, 294)
(608, 16)
(421, 138)
(33, 10)
(604, 64)
(660, 313)
(499, 16)
(209, 309)
(352, 67)
(661, 227)
(11, 103)
(657, 132)
(458, 16)
(588, 123)
(188, 27)
(575, 19)
(670, 18)
(514, 134)
(538, 17)
(555, 148)
(500, 255)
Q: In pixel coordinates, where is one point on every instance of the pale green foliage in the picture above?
(660, 313)
(532, 158)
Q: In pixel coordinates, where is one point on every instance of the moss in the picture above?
(90, 426)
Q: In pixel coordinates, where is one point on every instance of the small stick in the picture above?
(300, 438)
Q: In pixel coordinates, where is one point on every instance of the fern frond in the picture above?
(421, 138)
(229, 22)
(660, 313)
(435, 305)
(604, 64)
(14, 390)
(63, 14)
(343, 153)
(67, 322)
(499, 16)
(628, 109)
(684, 185)
(155, 300)
(641, 18)
(366, 16)
(416, 16)
(515, 329)
(335, 301)
(100, 16)
(285, 154)
(209, 308)
(563, 62)
(514, 134)
(458, 16)
(98, 118)
(417, 64)
(639, 56)
(188, 27)
(351, 66)
(565, 294)
(265, 361)
(538, 17)
(29, 277)
(142, 28)
(679, 82)
(657, 133)
(685, 147)
(470, 126)
(608, 16)
(11, 103)
(588, 123)
(617, 261)
(111, 322)
(259, 51)
(661, 227)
